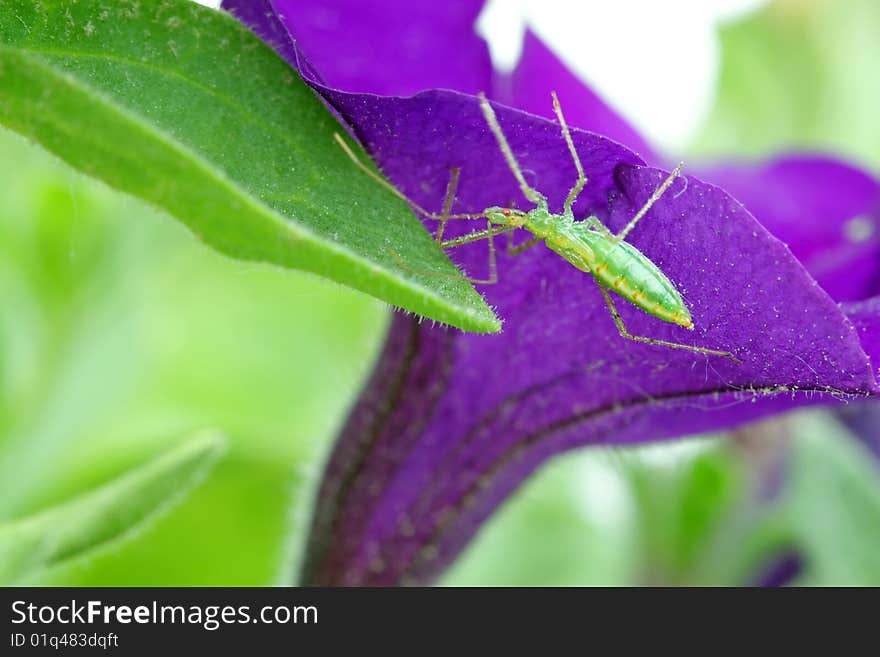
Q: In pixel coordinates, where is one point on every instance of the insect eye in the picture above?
(505, 212)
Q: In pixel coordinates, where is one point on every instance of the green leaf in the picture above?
(183, 107)
(833, 501)
(550, 532)
(684, 507)
(115, 510)
(795, 75)
(708, 492)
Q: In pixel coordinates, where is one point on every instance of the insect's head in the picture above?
(506, 216)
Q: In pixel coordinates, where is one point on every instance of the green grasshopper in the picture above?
(587, 244)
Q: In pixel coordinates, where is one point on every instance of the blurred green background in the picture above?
(120, 335)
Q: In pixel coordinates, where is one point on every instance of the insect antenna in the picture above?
(651, 201)
(391, 188)
(529, 192)
(566, 134)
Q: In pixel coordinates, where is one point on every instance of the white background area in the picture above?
(655, 62)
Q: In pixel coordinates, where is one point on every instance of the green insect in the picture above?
(587, 244)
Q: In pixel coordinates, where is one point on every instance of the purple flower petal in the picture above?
(260, 17)
(539, 71)
(414, 475)
(452, 423)
(782, 570)
(483, 413)
(828, 213)
(356, 43)
(863, 419)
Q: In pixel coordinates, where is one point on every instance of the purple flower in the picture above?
(450, 423)
(781, 570)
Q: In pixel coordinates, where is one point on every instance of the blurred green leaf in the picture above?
(121, 348)
(709, 488)
(833, 502)
(110, 513)
(182, 106)
(799, 75)
(569, 525)
(683, 509)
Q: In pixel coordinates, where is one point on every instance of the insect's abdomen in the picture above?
(627, 271)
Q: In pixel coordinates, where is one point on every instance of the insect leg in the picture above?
(424, 272)
(516, 250)
(477, 235)
(493, 276)
(493, 264)
(530, 193)
(391, 188)
(651, 201)
(594, 221)
(447, 202)
(488, 234)
(566, 134)
(621, 328)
